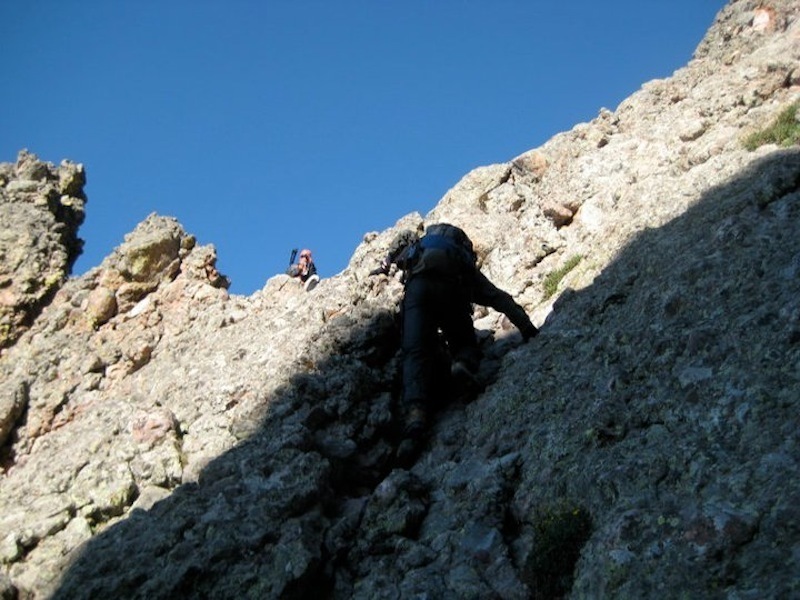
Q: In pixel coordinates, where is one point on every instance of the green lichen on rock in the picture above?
(559, 534)
(783, 131)
(553, 278)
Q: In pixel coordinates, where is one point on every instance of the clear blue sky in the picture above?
(265, 125)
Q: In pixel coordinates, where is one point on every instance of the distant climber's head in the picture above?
(306, 253)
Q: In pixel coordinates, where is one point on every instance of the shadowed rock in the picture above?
(163, 438)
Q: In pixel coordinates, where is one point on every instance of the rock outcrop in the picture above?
(41, 208)
(163, 438)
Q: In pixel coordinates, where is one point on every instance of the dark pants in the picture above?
(431, 304)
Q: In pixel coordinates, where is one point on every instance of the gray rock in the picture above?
(194, 443)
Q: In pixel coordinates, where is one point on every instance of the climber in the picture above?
(442, 281)
(305, 269)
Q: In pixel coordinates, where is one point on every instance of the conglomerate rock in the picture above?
(164, 438)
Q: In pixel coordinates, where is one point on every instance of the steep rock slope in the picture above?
(164, 438)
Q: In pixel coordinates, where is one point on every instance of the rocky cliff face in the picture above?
(41, 207)
(164, 438)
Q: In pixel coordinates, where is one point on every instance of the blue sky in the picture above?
(268, 125)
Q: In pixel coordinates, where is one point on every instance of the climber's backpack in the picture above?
(444, 250)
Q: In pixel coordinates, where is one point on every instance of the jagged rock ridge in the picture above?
(41, 207)
(164, 438)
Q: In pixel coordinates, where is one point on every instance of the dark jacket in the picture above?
(485, 293)
(408, 252)
(296, 270)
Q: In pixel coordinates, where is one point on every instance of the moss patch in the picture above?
(559, 535)
(554, 278)
(784, 131)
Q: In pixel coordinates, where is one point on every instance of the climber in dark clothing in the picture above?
(305, 270)
(442, 281)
